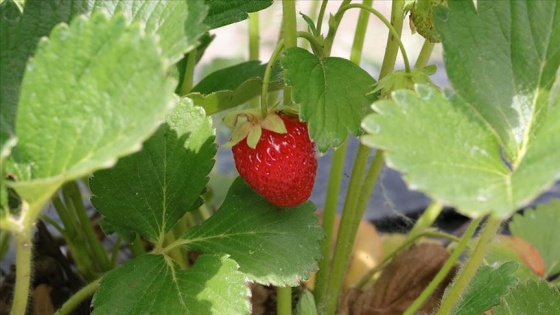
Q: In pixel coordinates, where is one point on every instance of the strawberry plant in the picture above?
(109, 141)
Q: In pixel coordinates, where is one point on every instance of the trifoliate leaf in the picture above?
(232, 86)
(539, 227)
(149, 191)
(94, 91)
(153, 284)
(487, 148)
(332, 93)
(272, 245)
(224, 12)
(488, 285)
(530, 297)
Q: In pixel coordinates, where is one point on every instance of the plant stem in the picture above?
(329, 214)
(462, 281)
(354, 207)
(115, 251)
(337, 168)
(333, 28)
(392, 49)
(424, 55)
(73, 199)
(254, 36)
(75, 240)
(284, 300)
(426, 219)
(137, 248)
(78, 298)
(266, 78)
(360, 34)
(289, 25)
(406, 244)
(320, 18)
(440, 276)
(188, 77)
(315, 45)
(24, 246)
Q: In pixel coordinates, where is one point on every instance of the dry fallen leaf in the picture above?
(401, 282)
(42, 303)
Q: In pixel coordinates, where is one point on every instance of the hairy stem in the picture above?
(24, 247)
(73, 199)
(426, 219)
(440, 276)
(424, 55)
(473, 263)
(289, 24)
(188, 77)
(254, 36)
(337, 168)
(78, 298)
(266, 78)
(392, 48)
(320, 18)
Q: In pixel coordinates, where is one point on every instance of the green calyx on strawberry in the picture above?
(274, 155)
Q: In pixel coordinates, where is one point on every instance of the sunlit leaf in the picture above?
(149, 191)
(272, 245)
(153, 284)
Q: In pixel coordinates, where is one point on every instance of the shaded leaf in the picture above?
(332, 93)
(272, 245)
(153, 284)
(232, 86)
(224, 12)
(531, 297)
(94, 91)
(488, 147)
(149, 191)
(487, 287)
(539, 227)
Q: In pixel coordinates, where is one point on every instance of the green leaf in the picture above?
(149, 191)
(179, 24)
(232, 86)
(486, 148)
(487, 287)
(153, 284)
(94, 91)
(224, 12)
(539, 227)
(502, 58)
(19, 35)
(445, 149)
(531, 297)
(332, 92)
(272, 245)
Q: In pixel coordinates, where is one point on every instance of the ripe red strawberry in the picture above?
(282, 166)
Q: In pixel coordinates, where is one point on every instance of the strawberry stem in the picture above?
(473, 262)
(266, 79)
(337, 169)
(395, 35)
